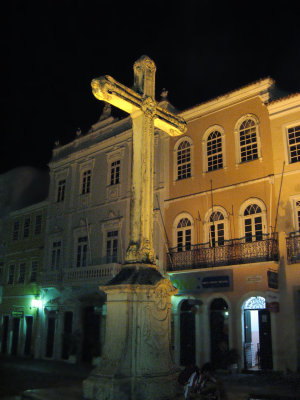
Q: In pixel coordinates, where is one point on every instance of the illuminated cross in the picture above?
(146, 115)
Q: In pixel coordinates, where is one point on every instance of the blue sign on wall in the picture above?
(200, 282)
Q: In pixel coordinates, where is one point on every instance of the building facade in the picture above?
(225, 254)
(87, 234)
(285, 127)
(20, 307)
(226, 233)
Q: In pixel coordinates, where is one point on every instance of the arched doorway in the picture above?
(219, 339)
(257, 334)
(187, 333)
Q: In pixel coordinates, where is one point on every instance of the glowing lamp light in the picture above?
(36, 303)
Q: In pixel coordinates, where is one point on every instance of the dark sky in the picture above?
(51, 50)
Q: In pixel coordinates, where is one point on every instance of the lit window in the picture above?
(38, 225)
(82, 248)
(26, 227)
(248, 140)
(253, 226)
(16, 229)
(22, 268)
(11, 275)
(115, 172)
(184, 235)
(112, 246)
(61, 191)
(184, 160)
(86, 182)
(55, 255)
(214, 151)
(216, 229)
(33, 274)
(294, 143)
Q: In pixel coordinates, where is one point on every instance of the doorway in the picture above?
(257, 335)
(91, 334)
(187, 333)
(28, 335)
(219, 339)
(15, 336)
(4, 334)
(50, 335)
(67, 340)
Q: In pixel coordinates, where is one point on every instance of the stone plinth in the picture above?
(137, 362)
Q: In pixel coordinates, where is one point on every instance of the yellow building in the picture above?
(220, 219)
(285, 127)
(20, 306)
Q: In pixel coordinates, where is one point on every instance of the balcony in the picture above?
(99, 274)
(293, 248)
(231, 252)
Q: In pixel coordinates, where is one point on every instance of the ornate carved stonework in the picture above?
(137, 361)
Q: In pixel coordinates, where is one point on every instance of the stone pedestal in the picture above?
(136, 362)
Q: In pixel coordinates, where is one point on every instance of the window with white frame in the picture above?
(115, 172)
(38, 225)
(248, 140)
(61, 188)
(184, 234)
(184, 161)
(33, 272)
(82, 251)
(214, 151)
(297, 206)
(293, 138)
(112, 246)
(253, 223)
(26, 227)
(22, 269)
(55, 255)
(216, 229)
(11, 274)
(16, 230)
(86, 182)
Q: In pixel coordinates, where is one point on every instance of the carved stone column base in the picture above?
(137, 363)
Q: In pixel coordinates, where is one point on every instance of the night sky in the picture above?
(51, 50)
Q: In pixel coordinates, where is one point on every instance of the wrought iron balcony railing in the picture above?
(293, 247)
(230, 252)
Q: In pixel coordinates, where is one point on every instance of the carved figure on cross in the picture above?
(146, 115)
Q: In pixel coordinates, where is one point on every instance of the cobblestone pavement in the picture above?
(51, 380)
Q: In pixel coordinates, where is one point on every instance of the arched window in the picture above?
(216, 229)
(216, 226)
(253, 224)
(184, 235)
(214, 151)
(248, 139)
(183, 159)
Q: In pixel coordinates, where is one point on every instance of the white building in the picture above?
(87, 233)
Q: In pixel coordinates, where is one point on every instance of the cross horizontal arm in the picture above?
(108, 89)
(169, 122)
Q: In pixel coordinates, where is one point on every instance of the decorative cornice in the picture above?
(260, 88)
(285, 105)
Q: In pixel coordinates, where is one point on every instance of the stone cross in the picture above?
(146, 115)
